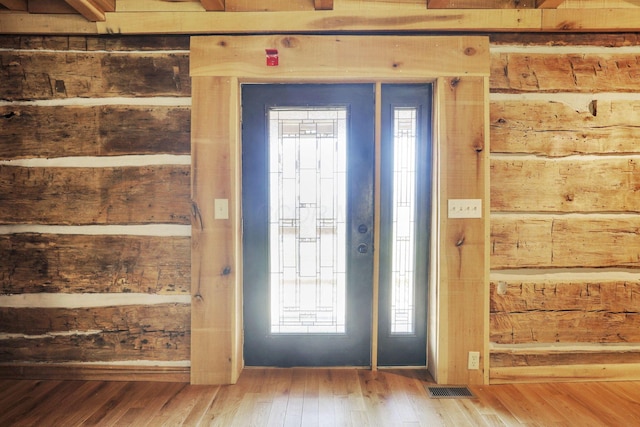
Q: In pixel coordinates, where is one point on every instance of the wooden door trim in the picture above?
(458, 314)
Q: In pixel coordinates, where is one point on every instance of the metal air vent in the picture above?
(448, 392)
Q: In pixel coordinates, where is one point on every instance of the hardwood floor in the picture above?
(314, 397)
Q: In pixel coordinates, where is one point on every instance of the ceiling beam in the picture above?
(548, 4)
(399, 20)
(482, 4)
(93, 10)
(19, 5)
(213, 5)
(323, 4)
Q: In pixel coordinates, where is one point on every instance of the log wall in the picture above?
(95, 264)
(95, 212)
(565, 198)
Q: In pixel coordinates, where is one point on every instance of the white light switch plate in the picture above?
(465, 208)
(221, 208)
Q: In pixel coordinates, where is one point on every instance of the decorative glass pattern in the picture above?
(307, 184)
(403, 228)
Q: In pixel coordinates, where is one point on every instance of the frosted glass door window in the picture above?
(307, 186)
(403, 234)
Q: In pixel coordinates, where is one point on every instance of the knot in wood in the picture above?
(566, 26)
(454, 82)
(290, 42)
(470, 51)
(460, 241)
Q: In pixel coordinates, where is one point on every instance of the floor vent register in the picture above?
(447, 392)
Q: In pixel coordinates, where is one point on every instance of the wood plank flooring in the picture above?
(314, 397)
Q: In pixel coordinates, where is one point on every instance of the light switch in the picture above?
(221, 208)
(465, 208)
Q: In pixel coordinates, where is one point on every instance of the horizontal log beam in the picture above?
(502, 356)
(59, 75)
(98, 347)
(159, 332)
(564, 326)
(554, 311)
(85, 195)
(35, 263)
(520, 296)
(398, 18)
(531, 72)
(565, 125)
(95, 43)
(389, 19)
(111, 130)
(39, 321)
(569, 185)
(525, 241)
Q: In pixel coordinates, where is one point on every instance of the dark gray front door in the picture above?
(308, 168)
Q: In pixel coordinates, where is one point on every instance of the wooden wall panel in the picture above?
(565, 247)
(565, 125)
(101, 142)
(109, 130)
(462, 301)
(564, 242)
(36, 263)
(85, 195)
(575, 185)
(58, 75)
(216, 267)
(567, 72)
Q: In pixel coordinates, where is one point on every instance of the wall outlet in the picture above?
(465, 208)
(474, 360)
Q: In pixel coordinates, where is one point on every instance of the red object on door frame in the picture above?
(272, 57)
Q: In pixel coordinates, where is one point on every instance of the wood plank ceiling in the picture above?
(95, 10)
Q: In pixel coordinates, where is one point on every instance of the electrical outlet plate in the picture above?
(465, 208)
(474, 360)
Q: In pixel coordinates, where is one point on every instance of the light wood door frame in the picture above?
(458, 313)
